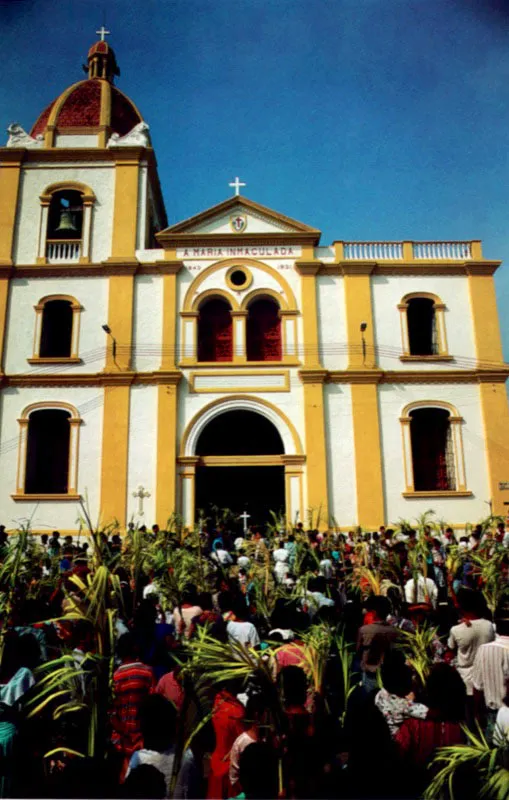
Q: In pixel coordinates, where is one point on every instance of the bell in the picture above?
(66, 221)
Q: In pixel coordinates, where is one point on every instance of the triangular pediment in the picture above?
(239, 217)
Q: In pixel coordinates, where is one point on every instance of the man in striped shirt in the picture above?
(490, 674)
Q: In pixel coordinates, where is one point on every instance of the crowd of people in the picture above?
(256, 664)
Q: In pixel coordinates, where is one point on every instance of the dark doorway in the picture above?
(239, 433)
(422, 327)
(432, 450)
(257, 490)
(56, 335)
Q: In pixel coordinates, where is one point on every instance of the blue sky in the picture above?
(369, 119)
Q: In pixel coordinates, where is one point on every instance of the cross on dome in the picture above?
(236, 185)
(102, 32)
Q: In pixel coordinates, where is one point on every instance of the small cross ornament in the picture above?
(102, 32)
(244, 517)
(141, 494)
(236, 184)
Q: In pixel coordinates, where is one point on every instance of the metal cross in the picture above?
(141, 494)
(244, 517)
(236, 185)
(103, 32)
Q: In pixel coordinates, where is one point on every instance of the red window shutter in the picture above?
(264, 332)
(215, 332)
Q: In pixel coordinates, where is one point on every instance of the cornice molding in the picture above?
(410, 268)
(313, 375)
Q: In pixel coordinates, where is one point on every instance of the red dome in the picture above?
(81, 108)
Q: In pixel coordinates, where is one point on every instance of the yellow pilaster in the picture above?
(316, 453)
(483, 304)
(10, 171)
(120, 321)
(125, 208)
(114, 454)
(308, 271)
(358, 311)
(495, 413)
(4, 296)
(368, 455)
(166, 476)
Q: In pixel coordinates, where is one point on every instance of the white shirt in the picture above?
(243, 633)
(239, 542)
(161, 761)
(427, 591)
(280, 555)
(222, 557)
(491, 671)
(502, 724)
(243, 561)
(467, 639)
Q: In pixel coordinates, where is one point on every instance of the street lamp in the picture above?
(107, 329)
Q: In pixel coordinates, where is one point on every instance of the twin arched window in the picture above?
(216, 331)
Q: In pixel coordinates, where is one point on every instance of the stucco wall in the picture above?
(465, 398)
(91, 293)
(33, 183)
(142, 452)
(388, 291)
(340, 453)
(47, 514)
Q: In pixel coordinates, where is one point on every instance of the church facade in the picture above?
(232, 359)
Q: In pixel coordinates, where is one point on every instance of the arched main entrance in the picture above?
(242, 454)
(240, 467)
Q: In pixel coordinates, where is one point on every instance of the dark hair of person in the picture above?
(470, 602)
(205, 601)
(190, 594)
(240, 609)
(502, 619)
(258, 772)
(144, 781)
(158, 720)
(225, 601)
(294, 683)
(396, 676)
(127, 647)
(446, 693)
(381, 607)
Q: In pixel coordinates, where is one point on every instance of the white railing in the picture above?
(373, 251)
(63, 252)
(442, 251)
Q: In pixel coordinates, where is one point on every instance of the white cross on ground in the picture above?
(244, 517)
(103, 32)
(141, 494)
(236, 184)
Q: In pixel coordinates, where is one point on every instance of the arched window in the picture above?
(423, 327)
(215, 332)
(263, 331)
(47, 460)
(56, 329)
(66, 217)
(56, 332)
(432, 450)
(48, 456)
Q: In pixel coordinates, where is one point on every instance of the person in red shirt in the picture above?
(133, 681)
(419, 738)
(227, 720)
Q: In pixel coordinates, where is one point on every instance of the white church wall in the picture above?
(91, 293)
(465, 398)
(47, 514)
(388, 291)
(289, 403)
(36, 179)
(76, 140)
(147, 322)
(332, 321)
(142, 453)
(142, 206)
(341, 487)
